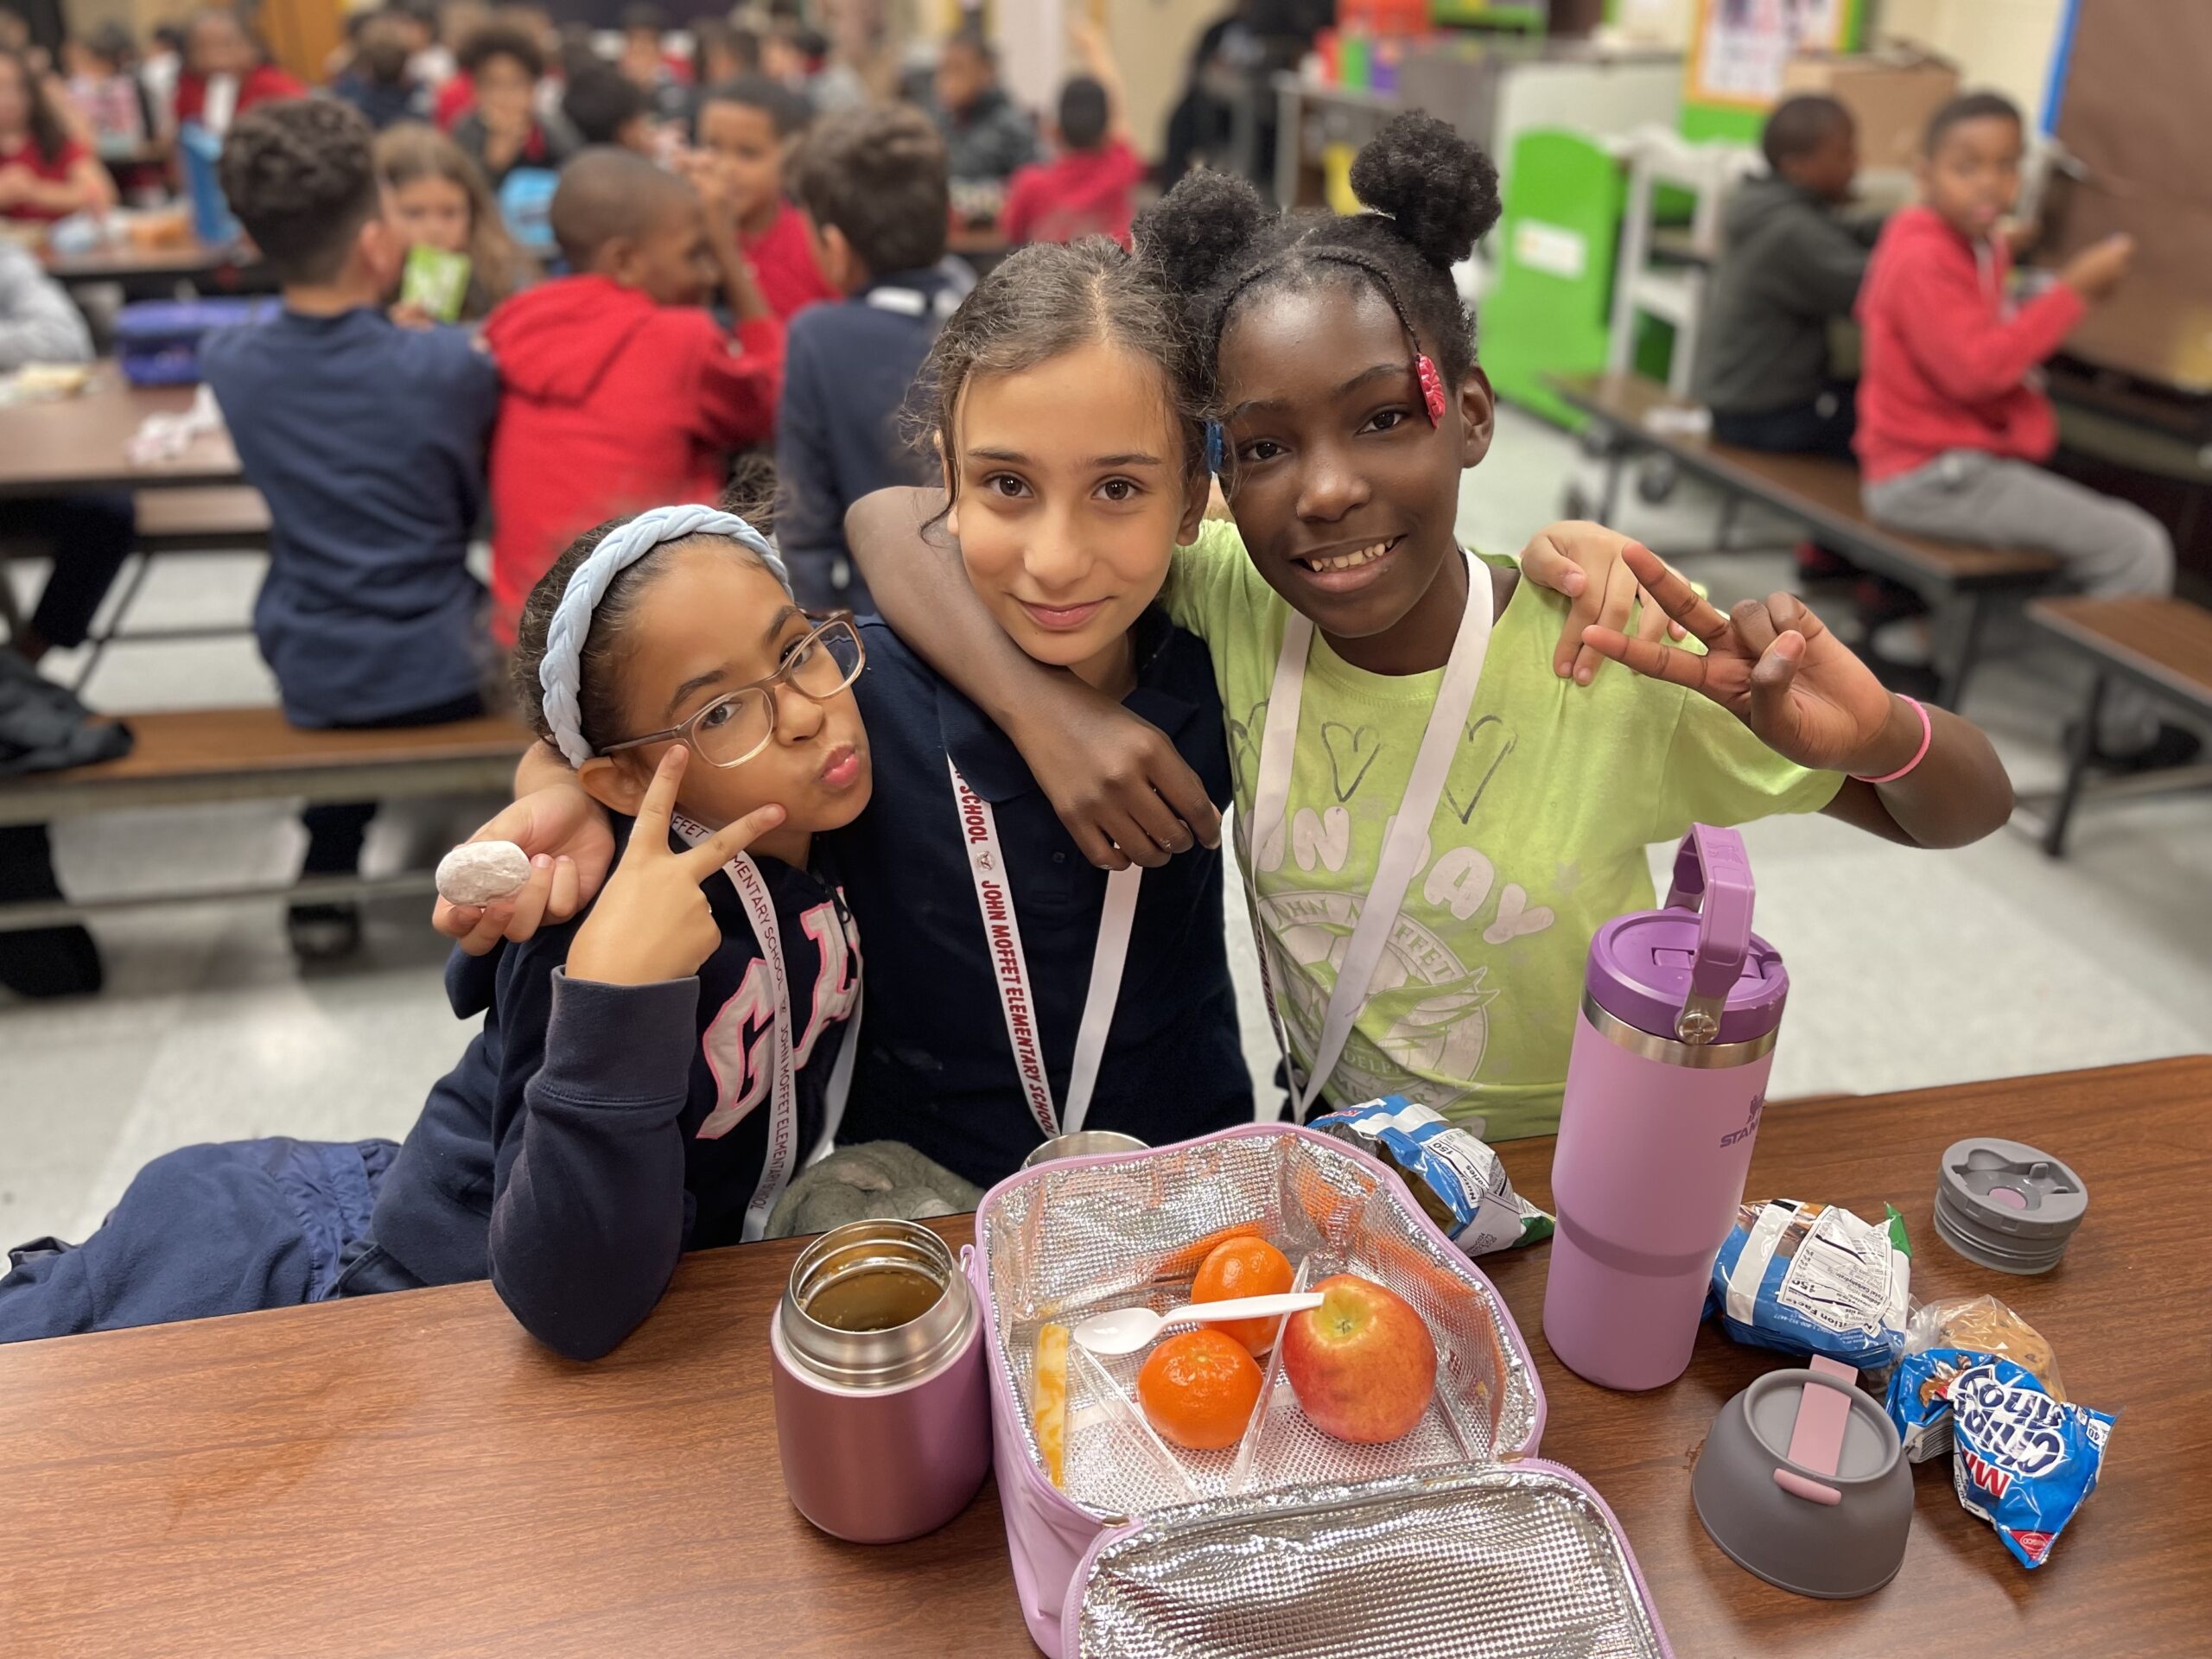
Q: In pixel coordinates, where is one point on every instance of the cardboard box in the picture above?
(1891, 94)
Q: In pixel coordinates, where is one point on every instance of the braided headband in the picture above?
(559, 672)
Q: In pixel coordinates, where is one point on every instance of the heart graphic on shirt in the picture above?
(1350, 751)
(1465, 812)
(1514, 919)
(1244, 738)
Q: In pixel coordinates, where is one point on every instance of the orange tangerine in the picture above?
(1199, 1389)
(1244, 1267)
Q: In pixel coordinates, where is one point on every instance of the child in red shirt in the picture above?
(1089, 189)
(224, 74)
(45, 173)
(619, 392)
(741, 129)
(1952, 420)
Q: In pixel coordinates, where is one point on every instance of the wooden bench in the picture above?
(223, 519)
(2163, 646)
(232, 754)
(1956, 579)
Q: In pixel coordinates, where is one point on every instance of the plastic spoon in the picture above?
(1128, 1329)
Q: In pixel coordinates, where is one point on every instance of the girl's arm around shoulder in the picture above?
(1118, 783)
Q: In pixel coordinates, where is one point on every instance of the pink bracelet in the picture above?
(1927, 736)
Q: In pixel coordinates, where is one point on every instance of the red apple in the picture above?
(1362, 1362)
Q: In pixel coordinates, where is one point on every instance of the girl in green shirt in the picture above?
(1435, 816)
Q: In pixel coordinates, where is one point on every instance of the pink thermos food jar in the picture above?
(883, 1413)
(1664, 1089)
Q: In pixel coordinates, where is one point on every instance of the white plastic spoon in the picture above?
(1128, 1329)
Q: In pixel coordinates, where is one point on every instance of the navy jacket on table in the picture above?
(591, 1133)
(368, 441)
(936, 1068)
(847, 369)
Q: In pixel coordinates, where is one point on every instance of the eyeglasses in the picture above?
(738, 725)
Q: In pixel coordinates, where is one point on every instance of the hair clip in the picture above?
(1432, 388)
(1214, 446)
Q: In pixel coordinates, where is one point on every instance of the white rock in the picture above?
(477, 872)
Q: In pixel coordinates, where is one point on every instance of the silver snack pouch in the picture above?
(1453, 1172)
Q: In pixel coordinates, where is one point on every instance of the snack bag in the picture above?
(434, 281)
(1942, 1339)
(2024, 1461)
(1453, 1174)
(1814, 1279)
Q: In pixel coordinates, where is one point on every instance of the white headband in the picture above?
(559, 671)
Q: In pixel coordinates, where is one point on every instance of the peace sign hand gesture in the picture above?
(1775, 666)
(652, 922)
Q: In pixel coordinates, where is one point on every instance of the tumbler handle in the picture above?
(1713, 876)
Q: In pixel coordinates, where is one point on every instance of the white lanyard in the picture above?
(780, 1155)
(1402, 846)
(1010, 968)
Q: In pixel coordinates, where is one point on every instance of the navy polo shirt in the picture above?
(935, 1068)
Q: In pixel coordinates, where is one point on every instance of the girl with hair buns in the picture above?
(1434, 817)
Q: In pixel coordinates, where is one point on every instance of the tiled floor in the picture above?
(1909, 968)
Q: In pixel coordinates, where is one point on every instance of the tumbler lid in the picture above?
(1640, 970)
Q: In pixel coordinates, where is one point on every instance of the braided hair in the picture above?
(1435, 196)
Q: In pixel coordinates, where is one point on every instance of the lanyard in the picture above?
(1010, 968)
(1401, 844)
(780, 1155)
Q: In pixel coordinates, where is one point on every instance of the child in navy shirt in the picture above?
(368, 441)
(648, 1076)
(871, 185)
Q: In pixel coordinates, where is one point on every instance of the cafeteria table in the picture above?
(412, 1475)
(75, 445)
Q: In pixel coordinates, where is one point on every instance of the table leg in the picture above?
(1616, 463)
(1972, 610)
(1289, 143)
(2080, 752)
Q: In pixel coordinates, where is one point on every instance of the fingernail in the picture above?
(541, 862)
(1582, 677)
(564, 859)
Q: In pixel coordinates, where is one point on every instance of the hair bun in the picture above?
(1439, 190)
(1193, 232)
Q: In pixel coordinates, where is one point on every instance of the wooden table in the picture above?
(221, 270)
(411, 1475)
(70, 445)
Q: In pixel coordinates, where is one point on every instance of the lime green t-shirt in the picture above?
(1555, 792)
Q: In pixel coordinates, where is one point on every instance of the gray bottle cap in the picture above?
(2007, 1206)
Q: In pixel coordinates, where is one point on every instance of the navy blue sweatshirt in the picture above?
(368, 441)
(592, 1133)
(847, 369)
(936, 1068)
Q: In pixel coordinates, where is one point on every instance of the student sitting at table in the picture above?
(986, 135)
(621, 388)
(377, 82)
(368, 441)
(872, 185)
(1089, 187)
(503, 131)
(649, 1074)
(744, 130)
(46, 173)
(605, 107)
(90, 536)
(227, 73)
(1954, 425)
(436, 196)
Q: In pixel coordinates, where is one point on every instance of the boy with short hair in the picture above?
(745, 129)
(368, 441)
(1089, 189)
(644, 63)
(622, 392)
(1952, 422)
(1790, 264)
(605, 107)
(872, 185)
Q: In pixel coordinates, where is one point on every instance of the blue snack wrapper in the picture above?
(2021, 1461)
(1814, 1279)
(1452, 1173)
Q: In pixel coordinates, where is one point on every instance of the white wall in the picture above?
(2001, 44)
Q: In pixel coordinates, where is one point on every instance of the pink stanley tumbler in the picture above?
(883, 1409)
(1663, 1095)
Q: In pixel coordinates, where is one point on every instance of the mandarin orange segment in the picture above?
(1199, 1389)
(1244, 1267)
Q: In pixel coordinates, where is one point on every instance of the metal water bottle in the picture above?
(1664, 1090)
